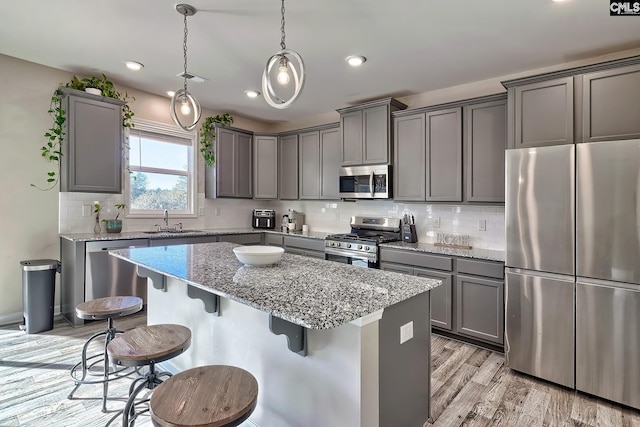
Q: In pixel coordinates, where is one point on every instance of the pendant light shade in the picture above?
(185, 108)
(285, 68)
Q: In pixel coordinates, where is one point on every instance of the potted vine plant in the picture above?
(208, 135)
(115, 225)
(55, 136)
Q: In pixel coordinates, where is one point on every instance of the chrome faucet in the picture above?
(166, 218)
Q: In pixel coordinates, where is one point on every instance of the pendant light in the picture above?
(283, 61)
(188, 105)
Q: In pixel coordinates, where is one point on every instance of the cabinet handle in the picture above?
(371, 184)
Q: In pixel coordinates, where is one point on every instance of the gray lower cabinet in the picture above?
(485, 140)
(92, 150)
(542, 113)
(441, 305)
(480, 308)
(288, 167)
(231, 175)
(610, 104)
(273, 239)
(265, 167)
(242, 239)
(304, 246)
(469, 303)
(183, 240)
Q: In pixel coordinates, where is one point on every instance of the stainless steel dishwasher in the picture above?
(107, 276)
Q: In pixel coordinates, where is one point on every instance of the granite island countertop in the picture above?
(92, 237)
(486, 254)
(313, 293)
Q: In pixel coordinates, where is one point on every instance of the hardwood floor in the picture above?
(470, 387)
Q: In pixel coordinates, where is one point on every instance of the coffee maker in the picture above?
(297, 218)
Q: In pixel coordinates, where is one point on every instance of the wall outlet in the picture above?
(216, 212)
(482, 225)
(86, 210)
(406, 332)
(201, 211)
(436, 222)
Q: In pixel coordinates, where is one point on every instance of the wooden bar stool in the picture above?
(206, 396)
(146, 346)
(107, 308)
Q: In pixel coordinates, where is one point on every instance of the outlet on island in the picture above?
(406, 332)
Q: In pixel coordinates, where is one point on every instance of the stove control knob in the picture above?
(359, 246)
(333, 243)
(367, 248)
(348, 245)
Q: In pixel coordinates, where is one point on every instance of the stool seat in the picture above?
(143, 345)
(206, 396)
(109, 307)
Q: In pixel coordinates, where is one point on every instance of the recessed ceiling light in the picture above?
(134, 65)
(171, 93)
(252, 93)
(355, 60)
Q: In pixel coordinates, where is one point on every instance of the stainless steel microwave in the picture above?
(365, 182)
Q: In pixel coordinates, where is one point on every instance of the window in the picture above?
(162, 165)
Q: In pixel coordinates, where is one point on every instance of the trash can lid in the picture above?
(39, 264)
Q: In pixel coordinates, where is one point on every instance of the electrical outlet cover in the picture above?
(406, 332)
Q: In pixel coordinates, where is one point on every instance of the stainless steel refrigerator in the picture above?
(573, 266)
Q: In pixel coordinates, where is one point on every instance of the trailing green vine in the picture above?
(52, 150)
(208, 135)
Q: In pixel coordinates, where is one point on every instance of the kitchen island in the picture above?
(342, 360)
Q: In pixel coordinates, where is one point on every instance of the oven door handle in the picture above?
(373, 190)
(349, 254)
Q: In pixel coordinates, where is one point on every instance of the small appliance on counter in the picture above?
(409, 234)
(264, 218)
(296, 218)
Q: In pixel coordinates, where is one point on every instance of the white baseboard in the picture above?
(11, 318)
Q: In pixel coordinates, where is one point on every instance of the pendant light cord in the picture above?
(282, 43)
(184, 47)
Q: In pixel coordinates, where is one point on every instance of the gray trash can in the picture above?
(38, 290)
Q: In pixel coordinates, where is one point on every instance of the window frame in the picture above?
(163, 130)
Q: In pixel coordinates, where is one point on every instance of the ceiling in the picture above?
(412, 46)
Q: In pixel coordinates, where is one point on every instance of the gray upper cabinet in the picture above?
(444, 155)
(92, 159)
(485, 139)
(231, 175)
(610, 104)
(543, 113)
(351, 127)
(409, 152)
(288, 167)
(309, 162)
(330, 163)
(366, 132)
(265, 167)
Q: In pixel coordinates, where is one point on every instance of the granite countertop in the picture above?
(313, 293)
(487, 254)
(91, 237)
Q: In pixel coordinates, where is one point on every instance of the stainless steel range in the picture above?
(360, 247)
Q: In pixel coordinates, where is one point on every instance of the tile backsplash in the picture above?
(328, 216)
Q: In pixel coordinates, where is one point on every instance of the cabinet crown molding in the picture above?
(454, 104)
(569, 72)
(384, 101)
(80, 93)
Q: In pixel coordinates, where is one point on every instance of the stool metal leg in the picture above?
(83, 363)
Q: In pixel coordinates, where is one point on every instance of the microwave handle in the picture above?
(371, 184)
